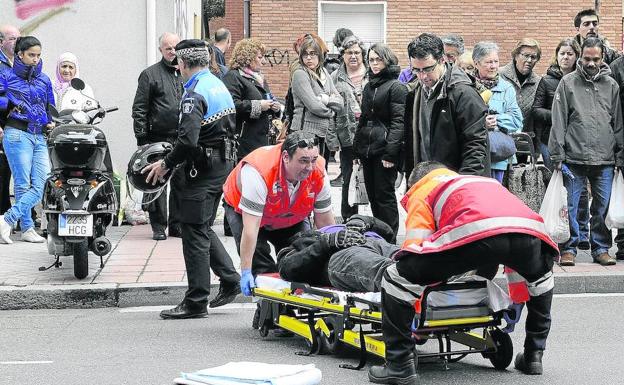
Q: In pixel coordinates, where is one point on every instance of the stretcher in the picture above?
(467, 313)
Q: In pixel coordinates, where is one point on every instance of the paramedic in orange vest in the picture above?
(455, 224)
(269, 197)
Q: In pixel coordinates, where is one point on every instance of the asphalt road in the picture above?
(133, 346)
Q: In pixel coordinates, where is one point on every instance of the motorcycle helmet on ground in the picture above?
(141, 158)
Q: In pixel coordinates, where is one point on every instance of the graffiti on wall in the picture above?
(277, 57)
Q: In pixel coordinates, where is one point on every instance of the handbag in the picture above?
(357, 189)
(502, 146)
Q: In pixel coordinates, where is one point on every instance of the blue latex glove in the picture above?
(566, 171)
(247, 282)
(511, 322)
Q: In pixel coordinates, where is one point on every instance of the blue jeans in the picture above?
(600, 178)
(28, 158)
(543, 149)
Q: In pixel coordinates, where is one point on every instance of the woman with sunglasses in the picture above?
(379, 135)
(315, 97)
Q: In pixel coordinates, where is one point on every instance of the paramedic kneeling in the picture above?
(269, 197)
(456, 224)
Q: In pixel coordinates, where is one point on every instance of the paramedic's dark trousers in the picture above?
(202, 249)
(403, 283)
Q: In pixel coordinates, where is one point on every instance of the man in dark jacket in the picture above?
(444, 114)
(586, 23)
(155, 114)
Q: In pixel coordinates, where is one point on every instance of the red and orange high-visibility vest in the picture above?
(278, 212)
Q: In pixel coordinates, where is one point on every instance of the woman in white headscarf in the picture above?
(67, 97)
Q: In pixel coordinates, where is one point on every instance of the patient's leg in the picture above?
(357, 269)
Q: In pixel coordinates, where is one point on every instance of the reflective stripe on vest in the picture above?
(451, 188)
(517, 286)
(479, 227)
(418, 233)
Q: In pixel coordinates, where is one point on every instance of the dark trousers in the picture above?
(379, 183)
(199, 198)
(160, 216)
(324, 151)
(263, 261)
(346, 169)
(404, 282)
(5, 180)
(619, 241)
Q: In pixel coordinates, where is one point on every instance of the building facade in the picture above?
(278, 22)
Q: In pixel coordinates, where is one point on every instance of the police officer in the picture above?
(204, 145)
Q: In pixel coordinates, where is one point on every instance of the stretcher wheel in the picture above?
(501, 358)
(331, 344)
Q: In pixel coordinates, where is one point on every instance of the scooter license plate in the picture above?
(75, 225)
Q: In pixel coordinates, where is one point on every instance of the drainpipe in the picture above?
(150, 31)
(597, 6)
(247, 18)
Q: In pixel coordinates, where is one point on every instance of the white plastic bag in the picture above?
(554, 209)
(615, 214)
(357, 189)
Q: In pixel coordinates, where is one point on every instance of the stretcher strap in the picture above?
(363, 353)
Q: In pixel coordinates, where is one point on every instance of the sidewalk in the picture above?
(140, 271)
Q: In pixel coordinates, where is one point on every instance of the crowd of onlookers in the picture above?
(445, 106)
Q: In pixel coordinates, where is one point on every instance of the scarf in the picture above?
(257, 76)
(388, 73)
(484, 84)
(60, 85)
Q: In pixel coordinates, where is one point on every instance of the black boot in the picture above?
(401, 373)
(537, 328)
(227, 293)
(529, 362)
(400, 367)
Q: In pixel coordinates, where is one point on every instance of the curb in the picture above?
(134, 294)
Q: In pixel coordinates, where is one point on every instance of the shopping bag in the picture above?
(615, 214)
(502, 146)
(554, 209)
(357, 189)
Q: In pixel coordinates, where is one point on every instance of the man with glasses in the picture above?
(587, 23)
(269, 197)
(444, 114)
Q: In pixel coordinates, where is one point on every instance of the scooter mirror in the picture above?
(77, 84)
(53, 111)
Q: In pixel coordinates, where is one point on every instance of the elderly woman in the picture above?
(349, 79)
(25, 93)
(525, 81)
(464, 61)
(379, 134)
(315, 97)
(67, 97)
(504, 113)
(254, 103)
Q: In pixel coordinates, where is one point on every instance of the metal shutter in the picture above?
(366, 20)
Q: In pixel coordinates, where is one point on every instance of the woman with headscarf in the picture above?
(26, 95)
(66, 96)
(504, 114)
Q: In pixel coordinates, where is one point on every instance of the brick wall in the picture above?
(233, 20)
(278, 22)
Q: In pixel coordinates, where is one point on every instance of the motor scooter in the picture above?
(79, 199)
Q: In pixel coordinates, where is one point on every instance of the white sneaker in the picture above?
(5, 231)
(31, 235)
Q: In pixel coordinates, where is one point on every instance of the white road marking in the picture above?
(25, 362)
(589, 295)
(231, 306)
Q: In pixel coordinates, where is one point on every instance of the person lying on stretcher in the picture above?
(350, 257)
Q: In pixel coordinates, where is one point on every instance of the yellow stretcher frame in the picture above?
(327, 326)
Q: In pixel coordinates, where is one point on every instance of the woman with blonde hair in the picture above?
(255, 106)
